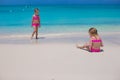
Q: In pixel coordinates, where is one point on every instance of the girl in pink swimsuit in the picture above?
(95, 42)
(35, 22)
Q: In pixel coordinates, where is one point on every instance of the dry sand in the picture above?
(57, 58)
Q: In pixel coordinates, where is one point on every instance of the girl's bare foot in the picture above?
(81, 47)
(36, 37)
(78, 46)
(31, 37)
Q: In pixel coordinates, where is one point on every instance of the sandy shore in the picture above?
(57, 58)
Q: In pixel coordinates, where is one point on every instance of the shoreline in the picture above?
(82, 37)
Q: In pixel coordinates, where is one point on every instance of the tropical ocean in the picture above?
(60, 18)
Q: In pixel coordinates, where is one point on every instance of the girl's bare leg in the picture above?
(36, 32)
(33, 32)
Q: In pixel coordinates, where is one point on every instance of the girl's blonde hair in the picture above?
(93, 31)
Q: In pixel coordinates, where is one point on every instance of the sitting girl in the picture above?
(95, 42)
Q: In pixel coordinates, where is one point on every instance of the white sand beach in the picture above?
(55, 57)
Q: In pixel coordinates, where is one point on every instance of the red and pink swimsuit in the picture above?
(36, 17)
(95, 49)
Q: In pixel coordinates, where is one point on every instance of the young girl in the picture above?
(95, 42)
(35, 22)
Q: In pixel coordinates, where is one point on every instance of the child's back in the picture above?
(96, 43)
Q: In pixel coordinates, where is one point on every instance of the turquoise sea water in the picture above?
(60, 18)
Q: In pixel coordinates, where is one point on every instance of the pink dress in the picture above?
(36, 17)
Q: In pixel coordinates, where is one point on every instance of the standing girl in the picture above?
(35, 22)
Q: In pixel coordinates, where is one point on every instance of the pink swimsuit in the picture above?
(36, 17)
(95, 49)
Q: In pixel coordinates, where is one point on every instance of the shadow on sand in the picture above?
(91, 52)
